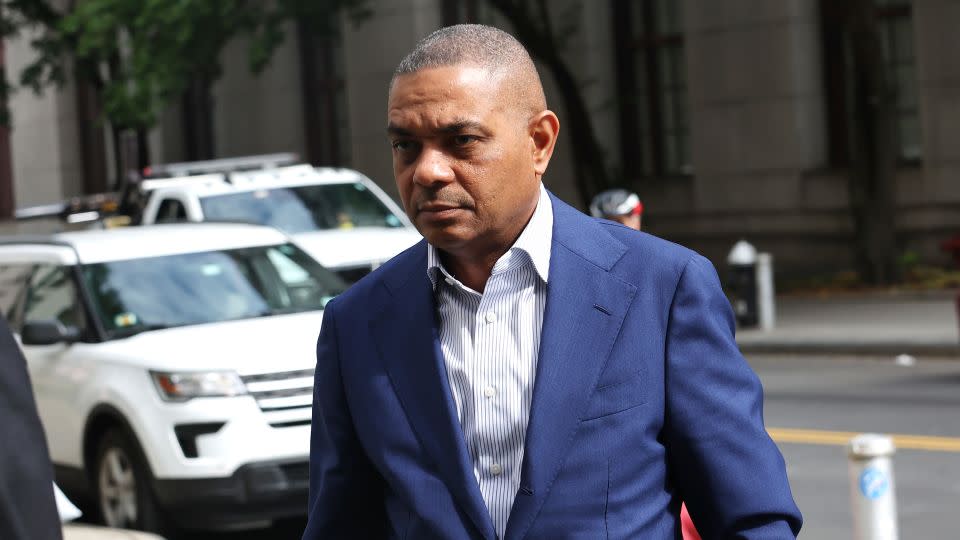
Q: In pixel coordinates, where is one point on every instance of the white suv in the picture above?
(172, 367)
(339, 216)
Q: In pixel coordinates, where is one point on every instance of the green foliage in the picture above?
(143, 54)
(908, 260)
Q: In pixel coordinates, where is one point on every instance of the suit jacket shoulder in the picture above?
(634, 256)
(369, 293)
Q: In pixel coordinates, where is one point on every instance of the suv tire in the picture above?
(122, 483)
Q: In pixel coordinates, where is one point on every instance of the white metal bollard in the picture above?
(872, 496)
(766, 307)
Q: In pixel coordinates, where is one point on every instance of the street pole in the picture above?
(766, 306)
(872, 496)
(129, 157)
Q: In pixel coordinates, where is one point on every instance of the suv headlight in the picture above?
(191, 384)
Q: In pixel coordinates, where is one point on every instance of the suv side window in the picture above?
(53, 295)
(171, 211)
(13, 290)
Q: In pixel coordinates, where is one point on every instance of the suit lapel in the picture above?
(585, 309)
(407, 338)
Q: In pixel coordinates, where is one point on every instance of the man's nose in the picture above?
(433, 167)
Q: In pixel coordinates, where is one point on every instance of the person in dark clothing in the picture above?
(28, 510)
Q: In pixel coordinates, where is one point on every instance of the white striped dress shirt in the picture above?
(490, 343)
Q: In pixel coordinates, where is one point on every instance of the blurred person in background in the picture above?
(27, 507)
(618, 205)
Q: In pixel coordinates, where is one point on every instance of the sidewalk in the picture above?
(919, 324)
(91, 532)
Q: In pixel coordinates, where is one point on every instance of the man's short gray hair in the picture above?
(484, 46)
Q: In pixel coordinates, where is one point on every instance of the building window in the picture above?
(896, 33)
(894, 19)
(458, 12)
(326, 121)
(197, 105)
(652, 87)
(465, 11)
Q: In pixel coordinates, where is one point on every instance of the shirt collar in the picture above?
(534, 242)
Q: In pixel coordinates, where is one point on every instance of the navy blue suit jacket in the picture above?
(641, 400)
(28, 510)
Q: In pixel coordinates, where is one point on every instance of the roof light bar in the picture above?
(246, 163)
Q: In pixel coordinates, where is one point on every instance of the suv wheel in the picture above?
(124, 497)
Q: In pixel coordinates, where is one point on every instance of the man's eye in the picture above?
(463, 140)
(401, 146)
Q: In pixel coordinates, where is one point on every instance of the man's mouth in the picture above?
(439, 212)
(437, 206)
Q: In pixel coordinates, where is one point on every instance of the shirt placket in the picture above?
(493, 350)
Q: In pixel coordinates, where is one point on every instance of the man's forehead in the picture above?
(445, 99)
(443, 84)
(462, 73)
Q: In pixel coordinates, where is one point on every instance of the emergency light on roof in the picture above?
(252, 177)
(245, 163)
(150, 184)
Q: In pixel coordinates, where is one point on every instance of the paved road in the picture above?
(861, 395)
(829, 395)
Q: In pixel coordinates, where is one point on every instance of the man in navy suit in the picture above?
(527, 371)
(28, 509)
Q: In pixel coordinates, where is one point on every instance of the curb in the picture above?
(939, 350)
(93, 532)
(883, 295)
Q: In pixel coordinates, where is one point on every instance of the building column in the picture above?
(6, 159)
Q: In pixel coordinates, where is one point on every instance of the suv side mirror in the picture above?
(48, 332)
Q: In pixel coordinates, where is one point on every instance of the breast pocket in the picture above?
(613, 397)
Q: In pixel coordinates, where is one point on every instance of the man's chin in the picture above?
(450, 224)
(446, 238)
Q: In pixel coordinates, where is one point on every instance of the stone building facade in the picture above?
(727, 117)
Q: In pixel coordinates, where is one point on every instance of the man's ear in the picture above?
(544, 128)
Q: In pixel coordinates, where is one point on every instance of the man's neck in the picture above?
(473, 267)
(472, 272)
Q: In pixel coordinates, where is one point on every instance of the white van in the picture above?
(339, 216)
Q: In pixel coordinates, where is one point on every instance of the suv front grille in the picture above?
(285, 398)
(297, 473)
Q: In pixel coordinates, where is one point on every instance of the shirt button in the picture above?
(496, 469)
(489, 392)
(491, 317)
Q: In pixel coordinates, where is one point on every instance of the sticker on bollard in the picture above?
(872, 487)
(873, 483)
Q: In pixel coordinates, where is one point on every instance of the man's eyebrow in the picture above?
(460, 126)
(457, 126)
(396, 130)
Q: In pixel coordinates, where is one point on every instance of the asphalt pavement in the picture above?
(814, 405)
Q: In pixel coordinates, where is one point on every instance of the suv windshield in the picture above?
(135, 295)
(303, 208)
